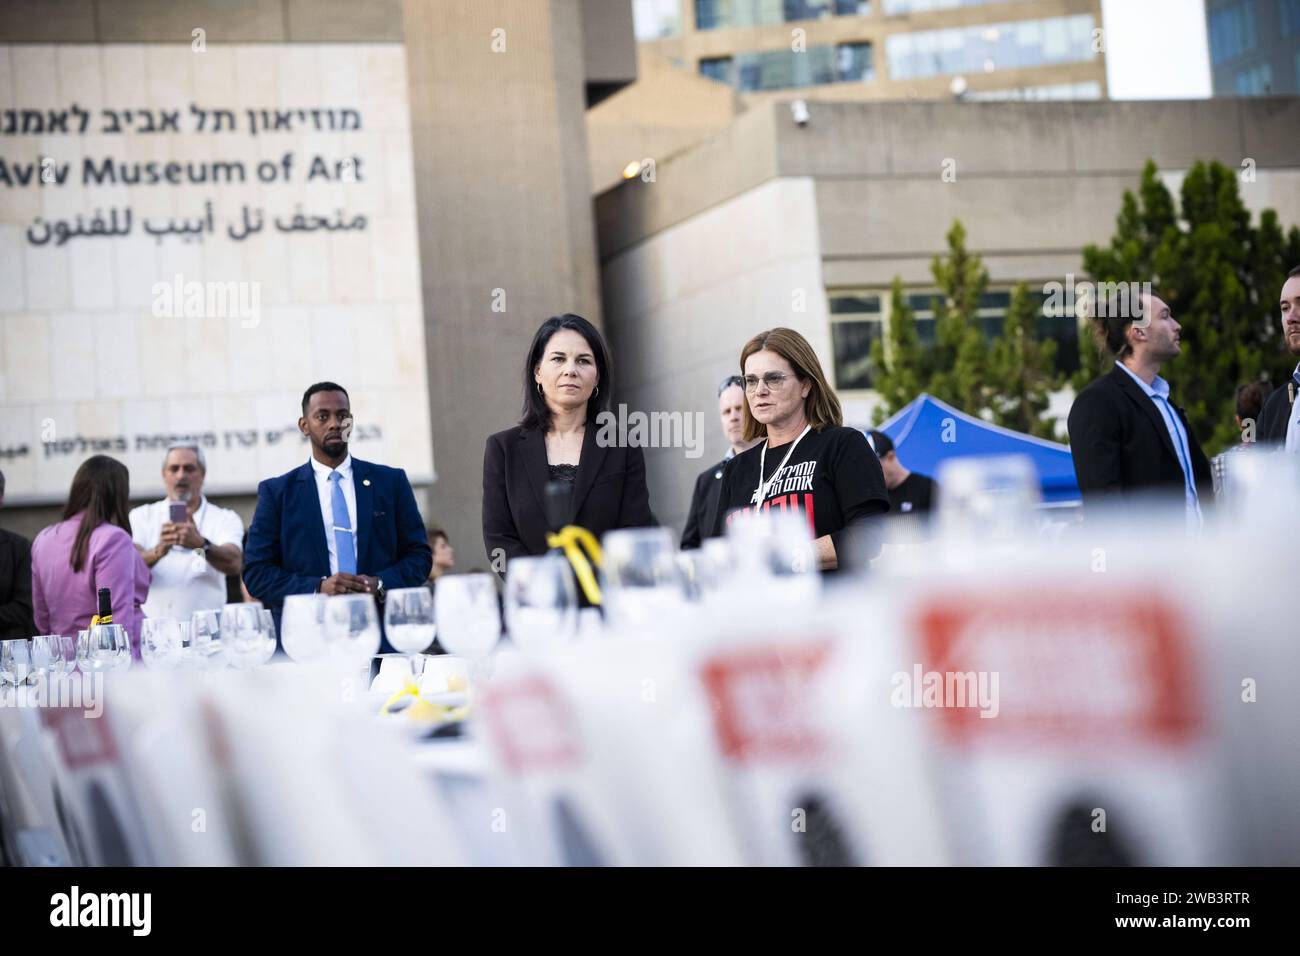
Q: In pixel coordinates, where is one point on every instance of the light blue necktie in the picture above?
(343, 541)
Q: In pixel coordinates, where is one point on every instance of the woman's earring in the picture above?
(539, 388)
(596, 392)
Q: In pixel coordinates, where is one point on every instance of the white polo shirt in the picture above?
(184, 582)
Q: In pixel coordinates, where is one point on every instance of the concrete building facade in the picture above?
(773, 223)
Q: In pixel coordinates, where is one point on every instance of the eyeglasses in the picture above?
(729, 381)
(773, 381)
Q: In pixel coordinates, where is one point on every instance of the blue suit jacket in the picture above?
(287, 551)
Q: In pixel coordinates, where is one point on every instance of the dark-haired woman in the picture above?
(91, 548)
(566, 385)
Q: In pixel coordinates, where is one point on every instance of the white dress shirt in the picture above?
(182, 581)
(1293, 423)
(327, 505)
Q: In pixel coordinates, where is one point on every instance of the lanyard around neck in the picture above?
(762, 462)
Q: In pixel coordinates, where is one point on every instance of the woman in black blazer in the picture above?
(566, 385)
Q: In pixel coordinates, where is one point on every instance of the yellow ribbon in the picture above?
(573, 540)
(422, 709)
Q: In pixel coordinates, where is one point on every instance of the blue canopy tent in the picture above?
(918, 433)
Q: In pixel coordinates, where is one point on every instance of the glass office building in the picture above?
(885, 49)
(1254, 46)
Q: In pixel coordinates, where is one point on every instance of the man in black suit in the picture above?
(15, 582)
(1125, 433)
(704, 501)
(1275, 421)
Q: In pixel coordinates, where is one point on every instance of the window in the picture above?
(717, 68)
(1290, 17)
(855, 324)
(853, 62)
(1255, 81)
(1232, 31)
(786, 69)
(996, 46)
(858, 320)
(715, 14)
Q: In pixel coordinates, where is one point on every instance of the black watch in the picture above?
(207, 546)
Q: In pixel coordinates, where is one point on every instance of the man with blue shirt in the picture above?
(1126, 434)
(337, 524)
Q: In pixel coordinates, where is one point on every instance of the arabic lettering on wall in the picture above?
(47, 172)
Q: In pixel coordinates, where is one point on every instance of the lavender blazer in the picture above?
(64, 601)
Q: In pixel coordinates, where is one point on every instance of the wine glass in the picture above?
(774, 550)
(408, 619)
(352, 626)
(243, 635)
(205, 639)
(161, 643)
(468, 615)
(641, 577)
(15, 662)
(53, 654)
(541, 602)
(268, 627)
(108, 648)
(302, 626)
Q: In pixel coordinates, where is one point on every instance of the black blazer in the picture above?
(1274, 418)
(704, 506)
(15, 587)
(1120, 443)
(610, 491)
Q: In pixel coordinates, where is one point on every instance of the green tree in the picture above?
(900, 366)
(1220, 276)
(1022, 367)
(960, 357)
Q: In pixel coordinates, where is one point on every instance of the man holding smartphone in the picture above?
(189, 544)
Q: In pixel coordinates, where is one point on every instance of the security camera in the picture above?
(799, 110)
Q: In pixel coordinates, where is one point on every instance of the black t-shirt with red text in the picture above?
(833, 477)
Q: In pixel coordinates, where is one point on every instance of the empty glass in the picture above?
(15, 662)
(468, 614)
(53, 655)
(408, 619)
(774, 548)
(268, 625)
(162, 644)
(641, 577)
(302, 626)
(107, 648)
(244, 636)
(352, 626)
(205, 640)
(541, 602)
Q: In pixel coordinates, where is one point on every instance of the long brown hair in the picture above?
(821, 407)
(100, 491)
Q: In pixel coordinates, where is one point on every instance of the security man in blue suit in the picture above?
(336, 525)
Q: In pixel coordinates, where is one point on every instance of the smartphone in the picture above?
(179, 512)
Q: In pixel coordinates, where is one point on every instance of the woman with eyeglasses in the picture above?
(805, 459)
(566, 385)
(704, 500)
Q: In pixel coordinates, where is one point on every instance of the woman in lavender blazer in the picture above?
(91, 548)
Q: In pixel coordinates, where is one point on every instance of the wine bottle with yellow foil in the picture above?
(105, 615)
